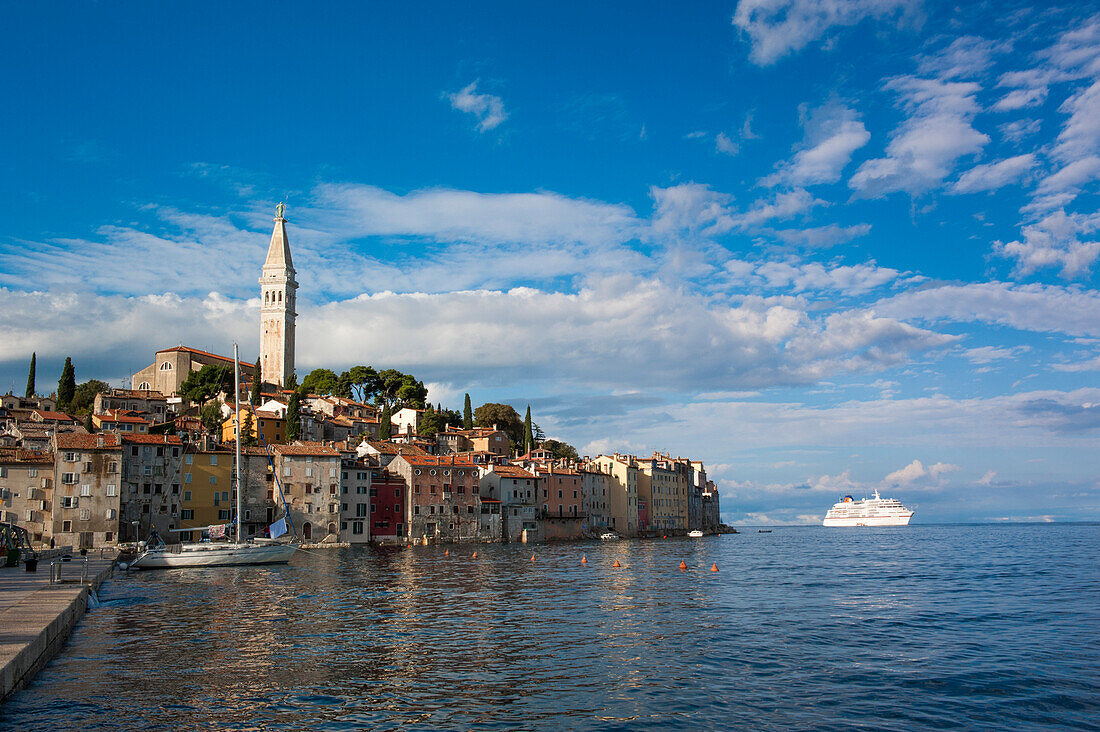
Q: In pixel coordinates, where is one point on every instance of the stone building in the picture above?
(517, 490)
(86, 494)
(149, 404)
(562, 516)
(623, 471)
(151, 486)
(26, 490)
(443, 496)
(310, 476)
(596, 490)
(355, 501)
(172, 366)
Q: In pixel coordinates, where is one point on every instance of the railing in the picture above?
(56, 572)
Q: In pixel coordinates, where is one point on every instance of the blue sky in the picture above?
(823, 246)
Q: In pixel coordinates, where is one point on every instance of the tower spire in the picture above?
(277, 292)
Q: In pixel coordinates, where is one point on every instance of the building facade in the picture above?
(87, 490)
(278, 292)
(443, 496)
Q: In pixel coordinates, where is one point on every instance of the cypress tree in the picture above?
(89, 425)
(528, 437)
(292, 382)
(254, 397)
(468, 414)
(66, 385)
(293, 418)
(247, 427)
(30, 376)
(384, 425)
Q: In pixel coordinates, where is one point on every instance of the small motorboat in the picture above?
(610, 536)
(695, 534)
(763, 531)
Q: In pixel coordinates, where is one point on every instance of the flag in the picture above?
(278, 528)
(216, 532)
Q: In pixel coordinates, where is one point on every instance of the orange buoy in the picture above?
(714, 567)
(616, 564)
(474, 556)
(532, 557)
(584, 559)
(664, 537)
(447, 553)
(683, 564)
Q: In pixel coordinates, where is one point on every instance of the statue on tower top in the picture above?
(280, 210)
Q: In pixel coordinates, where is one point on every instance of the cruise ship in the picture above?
(875, 511)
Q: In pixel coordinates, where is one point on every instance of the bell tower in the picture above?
(277, 293)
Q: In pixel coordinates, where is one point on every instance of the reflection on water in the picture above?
(898, 628)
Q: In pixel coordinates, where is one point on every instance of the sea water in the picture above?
(924, 627)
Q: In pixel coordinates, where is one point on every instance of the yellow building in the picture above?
(271, 424)
(623, 499)
(207, 490)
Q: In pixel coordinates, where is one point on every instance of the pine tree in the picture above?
(30, 376)
(293, 418)
(254, 397)
(384, 425)
(468, 414)
(528, 437)
(66, 385)
(247, 427)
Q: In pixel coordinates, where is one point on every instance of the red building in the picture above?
(387, 505)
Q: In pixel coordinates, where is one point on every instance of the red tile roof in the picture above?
(392, 448)
(436, 461)
(10, 455)
(121, 415)
(53, 416)
(84, 441)
(152, 439)
(245, 364)
(512, 471)
(315, 449)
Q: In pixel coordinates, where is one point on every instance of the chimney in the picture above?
(99, 441)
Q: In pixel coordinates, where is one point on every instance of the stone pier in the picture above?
(37, 617)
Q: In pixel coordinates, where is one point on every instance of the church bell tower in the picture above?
(277, 292)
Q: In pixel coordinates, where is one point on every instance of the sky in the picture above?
(825, 246)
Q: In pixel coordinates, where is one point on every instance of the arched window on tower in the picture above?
(166, 366)
(280, 297)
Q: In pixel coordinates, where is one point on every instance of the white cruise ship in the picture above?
(875, 511)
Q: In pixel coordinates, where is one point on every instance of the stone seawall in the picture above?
(36, 617)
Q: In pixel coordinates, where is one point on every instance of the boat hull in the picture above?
(232, 555)
(868, 521)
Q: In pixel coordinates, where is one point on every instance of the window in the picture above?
(332, 472)
(213, 459)
(68, 501)
(112, 467)
(309, 472)
(187, 514)
(286, 470)
(223, 515)
(213, 480)
(111, 513)
(363, 489)
(186, 495)
(133, 451)
(188, 459)
(165, 366)
(416, 510)
(148, 470)
(361, 509)
(357, 527)
(68, 478)
(85, 514)
(31, 472)
(109, 536)
(186, 477)
(85, 490)
(66, 526)
(175, 452)
(70, 457)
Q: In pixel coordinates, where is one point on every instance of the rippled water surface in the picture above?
(926, 627)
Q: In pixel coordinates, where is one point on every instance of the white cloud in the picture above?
(924, 149)
(989, 354)
(779, 27)
(1093, 364)
(1033, 307)
(833, 132)
(796, 276)
(1021, 99)
(991, 176)
(987, 478)
(1055, 241)
(966, 57)
(725, 145)
(820, 237)
(1017, 130)
(488, 109)
(916, 472)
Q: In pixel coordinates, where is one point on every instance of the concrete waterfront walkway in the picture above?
(37, 617)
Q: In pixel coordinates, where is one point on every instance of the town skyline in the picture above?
(860, 252)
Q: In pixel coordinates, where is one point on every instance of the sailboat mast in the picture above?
(237, 445)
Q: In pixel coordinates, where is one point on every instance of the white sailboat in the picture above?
(219, 554)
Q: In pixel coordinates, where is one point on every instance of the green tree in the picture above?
(30, 376)
(212, 418)
(66, 385)
(255, 397)
(448, 416)
(203, 385)
(323, 382)
(503, 416)
(362, 382)
(467, 414)
(385, 427)
(292, 382)
(560, 449)
(528, 436)
(430, 422)
(84, 396)
(247, 426)
(89, 425)
(293, 418)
